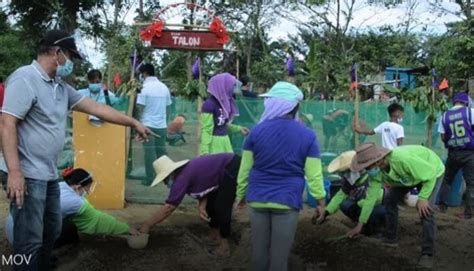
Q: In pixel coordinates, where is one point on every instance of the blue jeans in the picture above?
(38, 224)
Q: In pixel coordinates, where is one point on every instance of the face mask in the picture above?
(373, 171)
(141, 78)
(400, 120)
(84, 194)
(95, 88)
(237, 88)
(170, 183)
(66, 69)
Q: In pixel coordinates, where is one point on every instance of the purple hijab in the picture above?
(276, 107)
(221, 87)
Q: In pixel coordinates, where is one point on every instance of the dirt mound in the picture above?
(179, 244)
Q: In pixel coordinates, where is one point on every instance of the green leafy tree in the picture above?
(12, 55)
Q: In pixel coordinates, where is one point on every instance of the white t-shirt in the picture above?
(440, 123)
(390, 132)
(155, 97)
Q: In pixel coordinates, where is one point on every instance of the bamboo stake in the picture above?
(356, 113)
(198, 110)
(131, 106)
(237, 65)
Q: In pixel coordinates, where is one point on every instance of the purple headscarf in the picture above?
(276, 107)
(221, 87)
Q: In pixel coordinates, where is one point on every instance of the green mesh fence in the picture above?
(335, 136)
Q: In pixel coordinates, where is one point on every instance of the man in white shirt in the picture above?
(392, 132)
(152, 106)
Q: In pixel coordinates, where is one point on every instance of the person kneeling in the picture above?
(211, 179)
(359, 198)
(405, 168)
(79, 216)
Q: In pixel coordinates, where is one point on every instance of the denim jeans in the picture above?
(397, 194)
(273, 233)
(154, 148)
(37, 223)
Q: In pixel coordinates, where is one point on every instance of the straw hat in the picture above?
(342, 162)
(366, 155)
(164, 166)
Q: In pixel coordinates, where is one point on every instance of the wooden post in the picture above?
(356, 116)
(430, 120)
(131, 107)
(198, 114)
(237, 65)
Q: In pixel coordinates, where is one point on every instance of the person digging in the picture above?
(359, 198)
(405, 168)
(212, 180)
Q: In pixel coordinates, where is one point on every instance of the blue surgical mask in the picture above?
(237, 88)
(84, 194)
(373, 171)
(170, 183)
(95, 88)
(66, 69)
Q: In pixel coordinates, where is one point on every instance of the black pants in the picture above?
(69, 234)
(459, 159)
(220, 202)
(376, 220)
(396, 195)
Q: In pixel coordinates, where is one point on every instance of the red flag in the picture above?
(443, 85)
(117, 80)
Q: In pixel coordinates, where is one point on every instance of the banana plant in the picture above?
(427, 100)
(194, 89)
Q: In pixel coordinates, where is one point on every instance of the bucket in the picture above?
(456, 191)
(312, 202)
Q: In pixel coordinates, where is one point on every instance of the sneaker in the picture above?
(426, 261)
(388, 242)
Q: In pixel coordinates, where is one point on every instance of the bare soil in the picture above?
(177, 244)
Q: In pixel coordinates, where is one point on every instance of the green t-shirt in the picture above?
(411, 165)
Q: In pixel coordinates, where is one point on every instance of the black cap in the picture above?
(63, 40)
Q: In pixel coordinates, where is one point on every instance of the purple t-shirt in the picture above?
(199, 177)
(458, 129)
(280, 148)
(212, 106)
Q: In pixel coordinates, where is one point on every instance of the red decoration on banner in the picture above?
(153, 30)
(217, 27)
(117, 80)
